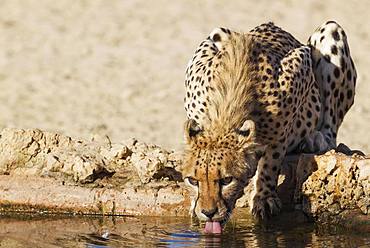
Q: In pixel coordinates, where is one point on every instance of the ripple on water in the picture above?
(168, 232)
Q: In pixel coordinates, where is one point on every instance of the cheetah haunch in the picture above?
(251, 99)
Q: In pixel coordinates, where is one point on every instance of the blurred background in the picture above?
(116, 68)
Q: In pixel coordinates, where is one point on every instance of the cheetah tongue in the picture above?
(213, 227)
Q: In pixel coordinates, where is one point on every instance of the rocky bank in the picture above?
(50, 173)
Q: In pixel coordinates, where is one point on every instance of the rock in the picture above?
(45, 195)
(54, 173)
(10, 242)
(329, 188)
(148, 160)
(153, 162)
(339, 183)
(37, 153)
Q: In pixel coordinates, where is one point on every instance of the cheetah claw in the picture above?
(263, 208)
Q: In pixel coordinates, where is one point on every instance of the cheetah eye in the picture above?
(226, 181)
(244, 133)
(246, 129)
(192, 128)
(192, 181)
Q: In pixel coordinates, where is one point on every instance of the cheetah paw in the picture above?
(315, 143)
(266, 207)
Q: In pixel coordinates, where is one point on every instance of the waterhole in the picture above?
(241, 231)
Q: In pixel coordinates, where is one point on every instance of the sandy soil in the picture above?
(117, 67)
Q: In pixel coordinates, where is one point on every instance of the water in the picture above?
(98, 232)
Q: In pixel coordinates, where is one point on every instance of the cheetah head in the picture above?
(218, 164)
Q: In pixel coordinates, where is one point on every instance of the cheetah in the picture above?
(251, 98)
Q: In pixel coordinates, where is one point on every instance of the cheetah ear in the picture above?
(192, 129)
(247, 130)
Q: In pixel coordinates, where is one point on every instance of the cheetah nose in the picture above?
(210, 212)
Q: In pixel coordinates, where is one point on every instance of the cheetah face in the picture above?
(217, 169)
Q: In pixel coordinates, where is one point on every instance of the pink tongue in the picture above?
(213, 227)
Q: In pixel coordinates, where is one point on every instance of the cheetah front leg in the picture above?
(265, 201)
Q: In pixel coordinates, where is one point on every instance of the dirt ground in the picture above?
(117, 67)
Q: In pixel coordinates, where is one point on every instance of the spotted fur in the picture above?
(253, 97)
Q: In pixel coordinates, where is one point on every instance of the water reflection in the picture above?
(180, 239)
(96, 232)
